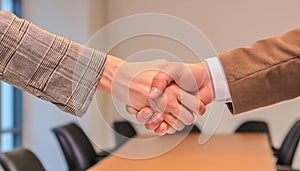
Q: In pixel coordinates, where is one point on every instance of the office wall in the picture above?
(76, 20)
(227, 24)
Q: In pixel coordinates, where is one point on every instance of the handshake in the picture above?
(163, 95)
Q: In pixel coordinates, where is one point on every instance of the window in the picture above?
(10, 99)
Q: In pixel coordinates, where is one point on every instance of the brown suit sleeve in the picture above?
(48, 66)
(265, 73)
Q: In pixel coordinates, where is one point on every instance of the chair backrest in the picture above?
(124, 130)
(289, 146)
(253, 127)
(20, 159)
(76, 146)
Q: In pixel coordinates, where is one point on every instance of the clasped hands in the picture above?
(163, 95)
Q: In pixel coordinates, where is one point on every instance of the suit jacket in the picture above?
(48, 66)
(67, 74)
(265, 73)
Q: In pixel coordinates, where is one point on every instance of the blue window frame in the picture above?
(10, 99)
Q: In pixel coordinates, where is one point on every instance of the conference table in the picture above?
(234, 152)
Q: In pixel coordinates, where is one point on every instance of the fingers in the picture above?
(152, 121)
(182, 114)
(173, 122)
(169, 103)
(178, 114)
(180, 73)
(131, 110)
(159, 123)
(163, 78)
(155, 121)
(166, 123)
(171, 131)
(192, 103)
(162, 129)
(159, 84)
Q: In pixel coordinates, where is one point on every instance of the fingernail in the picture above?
(146, 114)
(154, 93)
(161, 127)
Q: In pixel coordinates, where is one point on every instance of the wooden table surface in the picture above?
(237, 152)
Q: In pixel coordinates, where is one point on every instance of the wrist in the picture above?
(207, 83)
(209, 79)
(204, 81)
(111, 66)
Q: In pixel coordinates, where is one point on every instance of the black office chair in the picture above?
(77, 148)
(286, 153)
(20, 159)
(124, 131)
(255, 127)
(190, 129)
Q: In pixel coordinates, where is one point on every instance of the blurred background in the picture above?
(27, 121)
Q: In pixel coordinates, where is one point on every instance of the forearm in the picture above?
(48, 66)
(265, 73)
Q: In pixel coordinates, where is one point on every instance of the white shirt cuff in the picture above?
(218, 77)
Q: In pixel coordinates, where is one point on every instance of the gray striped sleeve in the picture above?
(48, 66)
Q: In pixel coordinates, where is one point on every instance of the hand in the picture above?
(173, 118)
(130, 82)
(193, 78)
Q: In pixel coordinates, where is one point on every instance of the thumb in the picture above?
(159, 83)
(162, 79)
